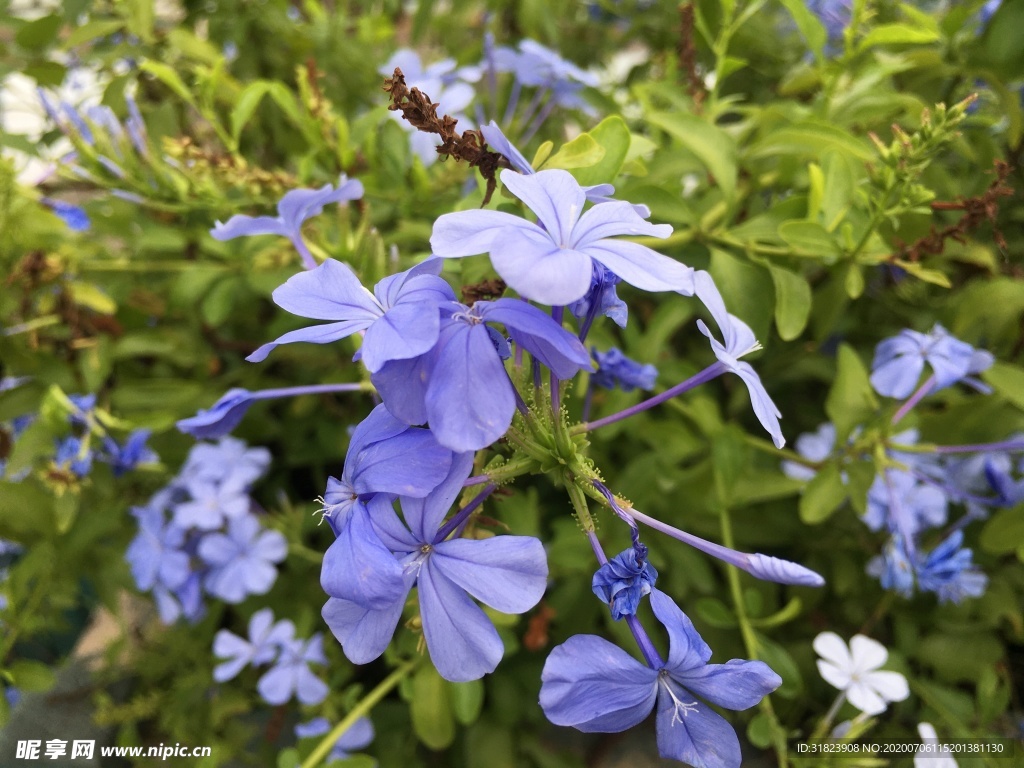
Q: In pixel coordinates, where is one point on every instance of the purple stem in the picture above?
(544, 114)
(313, 389)
(1006, 445)
(531, 109)
(463, 514)
(513, 102)
(307, 258)
(475, 480)
(520, 403)
(953, 492)
(716, 369)
(556, 392)
(914, 399)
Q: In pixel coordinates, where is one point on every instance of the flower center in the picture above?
(678, 705)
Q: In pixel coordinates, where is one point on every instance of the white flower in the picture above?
(854, 671)
(927, 756)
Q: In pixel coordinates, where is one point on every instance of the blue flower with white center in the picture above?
(291, 676)
(508, 573)
(594, 686)
(386, 456)
(242, 559)
(401, 317)
(211, 505)
(739, 341)
(359, 736)
(552, 261)
(900, 360)
(949, 572)
(265, 640)
(461, 387)
(126, 457)
(814, 446)
(614, 369)
(623, 581)
(292, 211)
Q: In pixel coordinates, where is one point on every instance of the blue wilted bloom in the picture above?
(291, 675)
(401, 317)
(134, 451)
(949, 572)
(739, 341)
(386, 456)
(905, 505)
(265, 640)
(242, 560)
(461, 386)
(76, 218)
(552, 261)
(508, 573)
(220, 418)
(357, 737)
(899, 361)
(623, 581)
(594, 686)
(71, 454)
(292, 211)
(614, 369)
(815, 446)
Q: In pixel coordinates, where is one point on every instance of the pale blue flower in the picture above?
(291, 676)
(814, 446)
(265, 641)
(614, 369)
(242, 559)
(359, 736)
(900, 360)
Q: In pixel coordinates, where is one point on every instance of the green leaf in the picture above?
(788, 613)
(25, 508)
(745, 286)
(715, 613)
(810, 137)
(851, 400)
(543, 153)
(39, 33)
(168, 77)
(810, 237)
(897, 34)
(759, 732)
(792, 302)
(581, 152)
(31, 675)
(92, 297)
(92, 30)
(854, 281)
(248, 100)
(432, 719)
(823, 495)
(709, 143)
(932, 276)
(467, 701)
(1008, 381)
(1004, 532)
(809, 25)
(730, 457)
(193, 47)
(781, 662)
(612, 135)
(140, 16)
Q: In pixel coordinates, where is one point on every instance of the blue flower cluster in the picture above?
(358, 736)
(275, 644)
(916, 485)
(200, 533)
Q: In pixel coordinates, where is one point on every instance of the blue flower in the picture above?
(387, 456)
(614, 369)
(552, 261)
(291, 676)
(739, 341)
(594, 686)
(156, 554)
(899, 361)
(536, 66)
(461, 387)
(508, 573)
(211, 504)
(228, 462)
(13, 696)
(601, 299)
(401, 318)
(623, 581)
(1009, 492)
(74, 455)
(220, 418)
(894, 568)
(265, 640)
(292, 211)
(899, 501)
(814, 446)
(242, 560)
(124, 458)
(76, 219)
(949, 572)
(834, 14)
(359, 736)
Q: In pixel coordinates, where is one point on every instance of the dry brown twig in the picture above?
(688, 56)
(417, 108)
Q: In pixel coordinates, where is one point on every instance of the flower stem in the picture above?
(696, 380)
(316, 757)
(825, 723)
(914, 399)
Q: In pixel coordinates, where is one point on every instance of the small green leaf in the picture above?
(813, 138)
(431, 707)
(851, 400)
(92, 30)
(1008, 381)
(759, 732)
(710, 144)
(39, 33)
(823, 495)
(810, 237)
(932, 276)
(543, 153)
(854, 281)
(467, 701)
(810, 26)
(31, 675)
(897, 34)
(92, 297)
(788, 613)
(612, 135)
(715, 613)
(792, 302)
(168, 77)
(1004, 532)
(248, 100)
(581, 152)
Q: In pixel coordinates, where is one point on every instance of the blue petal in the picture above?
(468, 233)
(329, 292)
(554, 195)
(596, 687)
(508, 573)
(390, 529)
(764, 408)
(358, 736)
(410, 464)
(357, 567)
(391, 289)
(463, 643)
(553, 346)
(277, 685)
(783, 571)
(497, 141)
(364, 634)
(379, 425)
(538, 268)
(316, 334)
(402, 385)
(424, 516)
(694, 733)
(686, 650)
(738, 684)
(240, 226)
(615, 218)
(641, 267)
(222, 417)
(405, 331)
(469, 400)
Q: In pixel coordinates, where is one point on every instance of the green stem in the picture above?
(782, 453)
(34, 599)
(317, 756)
(579, 505)
(750, 638)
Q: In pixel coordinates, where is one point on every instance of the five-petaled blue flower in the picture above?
(265, 641)
(552, 261)
(508, 573)
(242, 560)
(594, 686)
(899, 361)
(291, 675)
